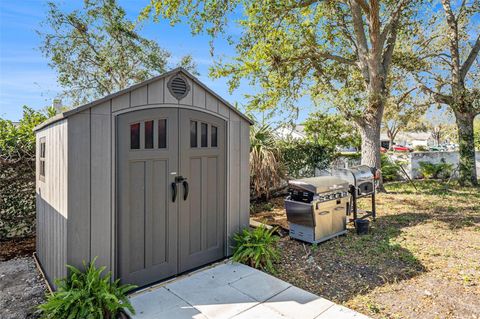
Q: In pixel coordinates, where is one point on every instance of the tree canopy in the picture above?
(331, 131)
(335, 51)
(97, 50)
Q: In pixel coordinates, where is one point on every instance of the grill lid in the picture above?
(355, 175)
(320, 184)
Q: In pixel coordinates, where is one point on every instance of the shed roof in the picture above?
(84, 107)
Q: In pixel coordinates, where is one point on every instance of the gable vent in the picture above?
(178, 86)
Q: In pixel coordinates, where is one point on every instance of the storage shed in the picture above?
(152, 180)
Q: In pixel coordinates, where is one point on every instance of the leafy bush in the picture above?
(420, 148)
(440, 170)
(266, 170)
(256, 248)
(17, 174)
(87, 295)
(302, 157)
(391, 170)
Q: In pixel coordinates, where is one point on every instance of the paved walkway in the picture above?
(232, 290)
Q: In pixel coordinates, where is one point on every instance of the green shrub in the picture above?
(87, 295)
(302, 157)
(391, 170)
(17, 174)
(440, 170)
(256, 248)
(420, 148)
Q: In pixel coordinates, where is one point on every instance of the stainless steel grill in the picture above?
(316, 208)
(361, 177)
(361, 180)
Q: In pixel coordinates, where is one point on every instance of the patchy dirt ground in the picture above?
(21, 285)
(420, 260)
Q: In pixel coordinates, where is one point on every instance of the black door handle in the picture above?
(185, 188)
(174, 191)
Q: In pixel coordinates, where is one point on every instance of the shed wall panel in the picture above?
(51, 195)
(198, 96)
(79, 159)
(155, 92)
(121, 102)
(233, 211)
(139, 96)
(101, 184)
(212, 103)
(245, 174)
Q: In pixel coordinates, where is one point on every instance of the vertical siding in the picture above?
(78, 243)
(51, 201)
(245, 174)
(100, 208)
(233, 178)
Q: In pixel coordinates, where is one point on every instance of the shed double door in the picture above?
(171, 193)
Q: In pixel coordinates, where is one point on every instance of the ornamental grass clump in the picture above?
(87, 295)
(256, 248)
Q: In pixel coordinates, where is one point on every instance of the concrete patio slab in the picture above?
(297, 303)
(266, 286)
(232, 290)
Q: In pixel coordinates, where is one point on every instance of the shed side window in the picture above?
(135, 136)
(149, 134)
(193, 134)
(204, 136)
(162, 133)
(42, 158)
(214, 139)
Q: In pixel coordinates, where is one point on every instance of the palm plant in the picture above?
(87, 295)
(256, 248)
(266, 170)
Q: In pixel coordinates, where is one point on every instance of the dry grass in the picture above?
(420, 260)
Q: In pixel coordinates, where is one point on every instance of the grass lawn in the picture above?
(420, 260)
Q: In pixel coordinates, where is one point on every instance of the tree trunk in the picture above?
(370, 134)
(467, 167)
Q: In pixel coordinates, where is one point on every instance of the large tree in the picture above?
(332, 131)
(97, 50)
(403, 111)
(340, 51)
(453, 74)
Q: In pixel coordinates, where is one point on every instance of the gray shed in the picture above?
(153, 180)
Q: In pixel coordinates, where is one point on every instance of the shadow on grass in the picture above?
(342, 268)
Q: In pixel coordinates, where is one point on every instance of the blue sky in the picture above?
(26, 78)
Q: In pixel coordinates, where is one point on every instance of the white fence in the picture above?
(414, 159)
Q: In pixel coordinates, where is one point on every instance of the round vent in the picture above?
(178, 86)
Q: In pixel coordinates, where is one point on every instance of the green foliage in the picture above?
(302, 157)
(391, 170)
(256, 248)
(17, 174)
(266, 170)
(332, 131)
(420, 148)
(87, 295)
(97, 50)
(440, 170)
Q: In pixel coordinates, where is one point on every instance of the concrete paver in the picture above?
(232, 290)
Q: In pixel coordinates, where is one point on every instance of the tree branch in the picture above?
(363, 5)
(438, 97)
(361, 39)
(470, 59)
(392, 21)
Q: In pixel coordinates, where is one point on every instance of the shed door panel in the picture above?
(202, 213)
(147, 217)
(158, 237)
